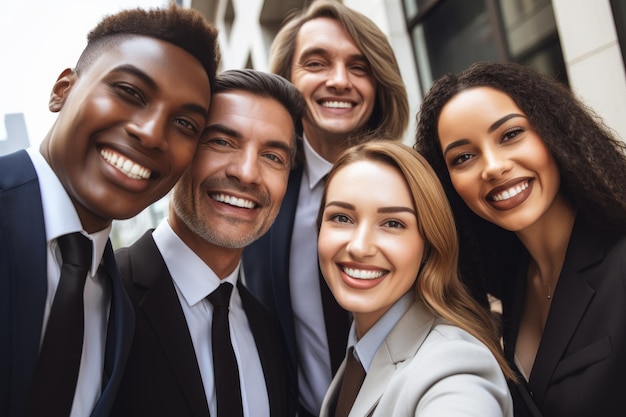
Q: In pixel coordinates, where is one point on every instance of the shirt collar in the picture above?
(366, 348)
(316, 166)
(194, 278)
(60, 216)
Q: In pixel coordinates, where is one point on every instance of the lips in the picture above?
(128, 167)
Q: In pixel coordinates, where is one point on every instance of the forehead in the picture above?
(478, 100)
(251, 115)
(370, 181)
(475, 106)
(147, 53)
(324, 34)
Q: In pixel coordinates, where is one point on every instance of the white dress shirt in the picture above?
(194, 280)
(60, 218)
(314, 372)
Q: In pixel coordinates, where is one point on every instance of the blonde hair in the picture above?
(391, 110)
(438, 283)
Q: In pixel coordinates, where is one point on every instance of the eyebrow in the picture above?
(491, 129)
(392, 209)
(322, 51)
(220, 128)
(149, 81)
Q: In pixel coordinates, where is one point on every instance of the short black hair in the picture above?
(183, 27)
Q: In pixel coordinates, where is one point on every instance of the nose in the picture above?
(244, 167)
(150, 129)
(339, 78)
(496, 164)
(362, 243)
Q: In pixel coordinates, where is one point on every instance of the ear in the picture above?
(61, 89)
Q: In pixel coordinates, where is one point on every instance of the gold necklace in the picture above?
(554, 277)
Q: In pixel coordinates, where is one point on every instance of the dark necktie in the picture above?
(54, 382)
(224, 362)
(350, 385)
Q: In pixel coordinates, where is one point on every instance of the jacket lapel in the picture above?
(573, 295)
(401, 344)
(119, 335)
(280, 242)
(162, 308)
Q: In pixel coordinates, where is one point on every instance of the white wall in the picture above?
(593, 58)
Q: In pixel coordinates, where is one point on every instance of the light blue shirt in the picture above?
(314, 372)
(366, 348)
(194, 280)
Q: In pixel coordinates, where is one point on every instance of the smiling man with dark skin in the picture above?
(129, 119)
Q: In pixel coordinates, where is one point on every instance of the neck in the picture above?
(547, 243)
(328, 146)
(221, 260)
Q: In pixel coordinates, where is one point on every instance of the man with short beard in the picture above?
(228, 198)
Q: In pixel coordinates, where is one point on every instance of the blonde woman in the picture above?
(388, 251)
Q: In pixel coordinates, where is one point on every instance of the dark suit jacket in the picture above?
(162, 377)
(23, 287)
(581, 362)
(266, 268)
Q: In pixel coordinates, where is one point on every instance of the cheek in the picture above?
(183, 154)
(465, 186)
(328, 244)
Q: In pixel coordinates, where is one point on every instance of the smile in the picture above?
(362, 273)
(510, 193)
(337, 104)
(129, 168)
(233, 201)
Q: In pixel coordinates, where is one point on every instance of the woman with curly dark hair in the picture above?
(538, 188)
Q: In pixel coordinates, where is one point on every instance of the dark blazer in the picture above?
(266, 269)
(23, 287)
(162, 377)
(581, 361)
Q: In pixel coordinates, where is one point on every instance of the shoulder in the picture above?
(16, 169)
(460, 348)
(451, 371)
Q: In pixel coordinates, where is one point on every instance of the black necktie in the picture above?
(54, 382)
(224, 362)
(350, 385)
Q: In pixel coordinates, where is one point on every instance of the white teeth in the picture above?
(362, 273)
(510, 193)
(233, 201)
(129, 168)
(337, 104)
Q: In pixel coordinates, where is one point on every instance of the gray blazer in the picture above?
(428, 367)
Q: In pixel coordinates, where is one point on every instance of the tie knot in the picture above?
(221, 296)
(76, 249)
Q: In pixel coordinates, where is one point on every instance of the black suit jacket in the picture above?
(162, 377)
(581, 361)
(23, 287)
(266, 268)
